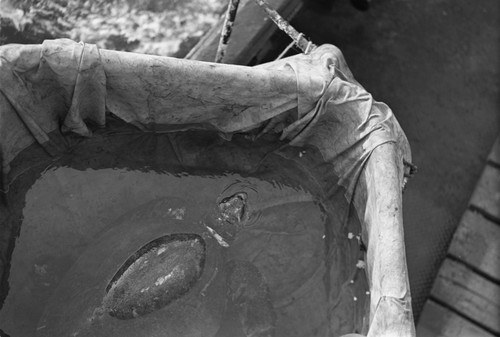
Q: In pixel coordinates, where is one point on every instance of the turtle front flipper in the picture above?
(160, 272)
(249, 293)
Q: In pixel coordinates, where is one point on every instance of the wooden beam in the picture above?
(465, 298)
(495, 152)
(251, 31)
(477, 243)
(486, 196)
(469, 294)
(438, 321)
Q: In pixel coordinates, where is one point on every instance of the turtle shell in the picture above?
(285, 241)
(284, 238)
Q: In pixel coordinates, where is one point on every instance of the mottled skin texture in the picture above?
(229, 216)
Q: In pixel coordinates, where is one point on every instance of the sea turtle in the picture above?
(156, 274)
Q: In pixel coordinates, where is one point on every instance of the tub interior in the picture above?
(68, 211)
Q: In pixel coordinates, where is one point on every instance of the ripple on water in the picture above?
(66, 209)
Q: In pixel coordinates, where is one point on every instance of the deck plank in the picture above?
(476, 242)
(465, 298)
(486, 196)
(438, 321)
(470, 294)
(495, 152)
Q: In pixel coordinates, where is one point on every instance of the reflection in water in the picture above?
(66, 209)
(87, 209)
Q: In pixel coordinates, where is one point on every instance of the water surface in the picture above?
(78, 197)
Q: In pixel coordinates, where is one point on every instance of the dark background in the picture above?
(436, 64)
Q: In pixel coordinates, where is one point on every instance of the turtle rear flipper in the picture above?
(250, 295)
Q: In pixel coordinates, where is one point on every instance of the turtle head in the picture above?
(232, 209)
(229, 216)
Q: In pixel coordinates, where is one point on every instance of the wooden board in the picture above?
(252, 29)
(468, 293)
(477, 243)
(486, 196)
(437, 321)
(495, 152)
(465, 298)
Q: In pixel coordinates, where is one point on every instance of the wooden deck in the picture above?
(465, 298)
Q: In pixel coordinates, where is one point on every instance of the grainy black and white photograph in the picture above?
(249, 168)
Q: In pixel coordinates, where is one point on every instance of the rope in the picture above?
(227, 28)
(290, 45)
(304, 44)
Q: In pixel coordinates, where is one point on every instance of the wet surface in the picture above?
(85, 213)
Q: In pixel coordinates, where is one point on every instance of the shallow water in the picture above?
(81, 197)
